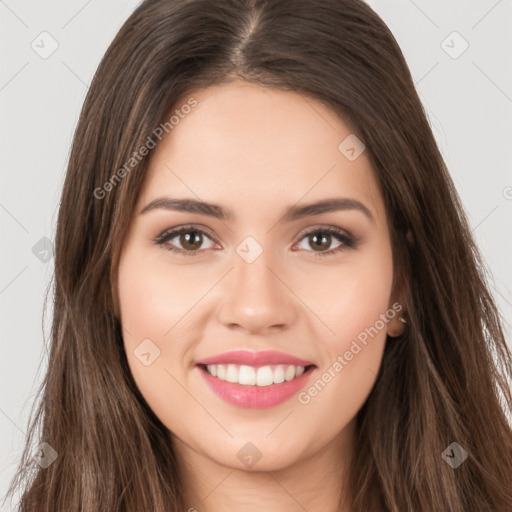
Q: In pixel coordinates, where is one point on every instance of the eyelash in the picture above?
(348, 241)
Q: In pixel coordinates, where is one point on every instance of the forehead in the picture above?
(245, 145)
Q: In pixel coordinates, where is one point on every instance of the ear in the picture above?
(397, 325)
(398, 322)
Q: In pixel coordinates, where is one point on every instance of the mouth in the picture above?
(256, 376)
(259, 379)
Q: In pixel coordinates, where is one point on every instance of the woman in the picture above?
(266, 291)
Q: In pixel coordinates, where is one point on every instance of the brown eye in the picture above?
(185, 240)
(191, 240)
(319, 242)
(321, 239)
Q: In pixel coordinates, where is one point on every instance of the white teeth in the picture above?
(232, 373)
(221, 371)
(289, 373)
(279, 374)
(247, 375)
(250, 376)
(264, 376)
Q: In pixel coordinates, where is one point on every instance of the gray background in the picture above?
(468, 98)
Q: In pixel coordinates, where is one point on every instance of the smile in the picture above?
(255, 387)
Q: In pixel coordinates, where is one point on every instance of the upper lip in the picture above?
(249, 358)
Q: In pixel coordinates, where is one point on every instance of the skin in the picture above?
(257, 151)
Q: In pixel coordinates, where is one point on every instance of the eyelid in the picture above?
(175, 231)
(191, 227)
(347, 240)
(327, 228)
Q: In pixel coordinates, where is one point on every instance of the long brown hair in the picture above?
(445, 380)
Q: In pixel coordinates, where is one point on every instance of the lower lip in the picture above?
(257, 397)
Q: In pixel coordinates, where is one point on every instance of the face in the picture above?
(260, 273)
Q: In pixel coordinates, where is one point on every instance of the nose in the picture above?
(256, 297)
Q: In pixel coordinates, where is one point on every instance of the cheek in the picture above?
(354, 304)
(147, 306)
(152, 301)
(351, 300)
(358, 312)
(153, 296)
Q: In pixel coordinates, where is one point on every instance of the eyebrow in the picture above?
(293, 213)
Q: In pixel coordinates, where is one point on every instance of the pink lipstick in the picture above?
(255, 379)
